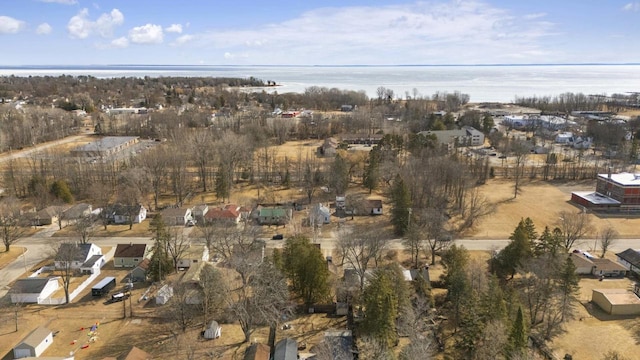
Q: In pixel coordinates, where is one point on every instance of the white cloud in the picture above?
(458, 31)
(146, 34)
(181, 40)
(44, 29)
(65, 2)
(9, 25)
(535, 16)
(174, 28)
(632, 6)
(81, 27)
(121, 42)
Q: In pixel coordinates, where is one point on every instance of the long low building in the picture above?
(616, 301)
(106, 146)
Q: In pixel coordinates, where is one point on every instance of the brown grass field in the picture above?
(541, 201)
(8, 257)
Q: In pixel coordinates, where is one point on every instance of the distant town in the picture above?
(206, 218)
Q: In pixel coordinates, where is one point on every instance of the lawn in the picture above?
(7, 258)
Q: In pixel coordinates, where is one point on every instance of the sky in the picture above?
(318, 32)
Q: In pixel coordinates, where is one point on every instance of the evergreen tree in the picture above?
(455, 262)
(371, 175)
(401, 206)
(339, 179)
(568, 284)
(518, 335)
(487, 123)
(222, 184)
(505, 264)
(160, 264)
(381, 310)
(307, 270)
(60, 189)
(549, 242)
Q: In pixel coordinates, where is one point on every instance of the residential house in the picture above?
(467, 136)
(588, 265)
(87, 258)
(337, 344)
(139, 273)
(129, 255)
(257, 351)
(227, 215)
(373, 207)
(164, 294)
(274, 216)
(413, 274)
(361, 139)
(193, 255)
(47, 216)
(34, 344)
(120, 214)
(76, 212)
(33, 290)
(320, 214)
(630, 259)
(613, 191)
(191, 279)
(199, 211)
(286, 349)
(176, 216)
(329, 147)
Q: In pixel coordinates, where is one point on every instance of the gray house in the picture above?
(139, 273)
(34, 344)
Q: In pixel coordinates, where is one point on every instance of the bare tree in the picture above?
(520, 152)
(180, 310)
(211, 291)
(573, 226)
(608, 237)
(65, 260)
(360, 249)
(155, 163)
(84, 228)
(9, 222)
(177, 244)
(263, 299)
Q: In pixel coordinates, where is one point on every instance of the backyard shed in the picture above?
(33, 344)
(164, 294)
(213, 331)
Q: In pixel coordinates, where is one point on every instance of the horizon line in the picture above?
(318, 65)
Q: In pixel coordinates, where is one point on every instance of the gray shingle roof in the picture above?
(80, 253)
(29, 285)
(286, 349)
(92, 260)
(631, 256)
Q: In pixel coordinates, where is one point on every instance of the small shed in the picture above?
(164, 294)
(213, 331)
(34, 344)
(257, 351)
(374, 207)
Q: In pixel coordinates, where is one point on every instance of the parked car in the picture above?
(277, 237)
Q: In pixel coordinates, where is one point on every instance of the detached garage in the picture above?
(33, 290)
(616, 301)
(34, 344)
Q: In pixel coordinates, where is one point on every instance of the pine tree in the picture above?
(160, 264)
(401, 206)
(371, 175)
(568, 284)
(518, 335)
(222, 185)
(305, 266)
(60, 189)
(381, 310)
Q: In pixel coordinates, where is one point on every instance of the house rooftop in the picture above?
(106, 143)
(174, 212)
(130, 250)
(92, 260)
(619, 296)
(30, 285)
(607, 265)
(631, 256)
(580, 260)
(144, 264)
(79, 251)
(36, 336)
(624, 178)
(77, 211)
(193, 252)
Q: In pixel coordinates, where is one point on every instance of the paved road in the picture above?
(42, 246)
(15, 154)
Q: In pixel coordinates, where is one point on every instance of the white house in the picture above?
(33, 290)
(86, 257)
(34, 344)
(176, 216)
(192, 255)
(320, 214)
(164, 294)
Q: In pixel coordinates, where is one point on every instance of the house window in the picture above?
(195, 261)
(135, 259)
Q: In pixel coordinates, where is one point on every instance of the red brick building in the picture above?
(613, 191)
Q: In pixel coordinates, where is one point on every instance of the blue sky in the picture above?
(318, 32)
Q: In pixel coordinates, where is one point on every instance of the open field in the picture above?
(541, 201)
